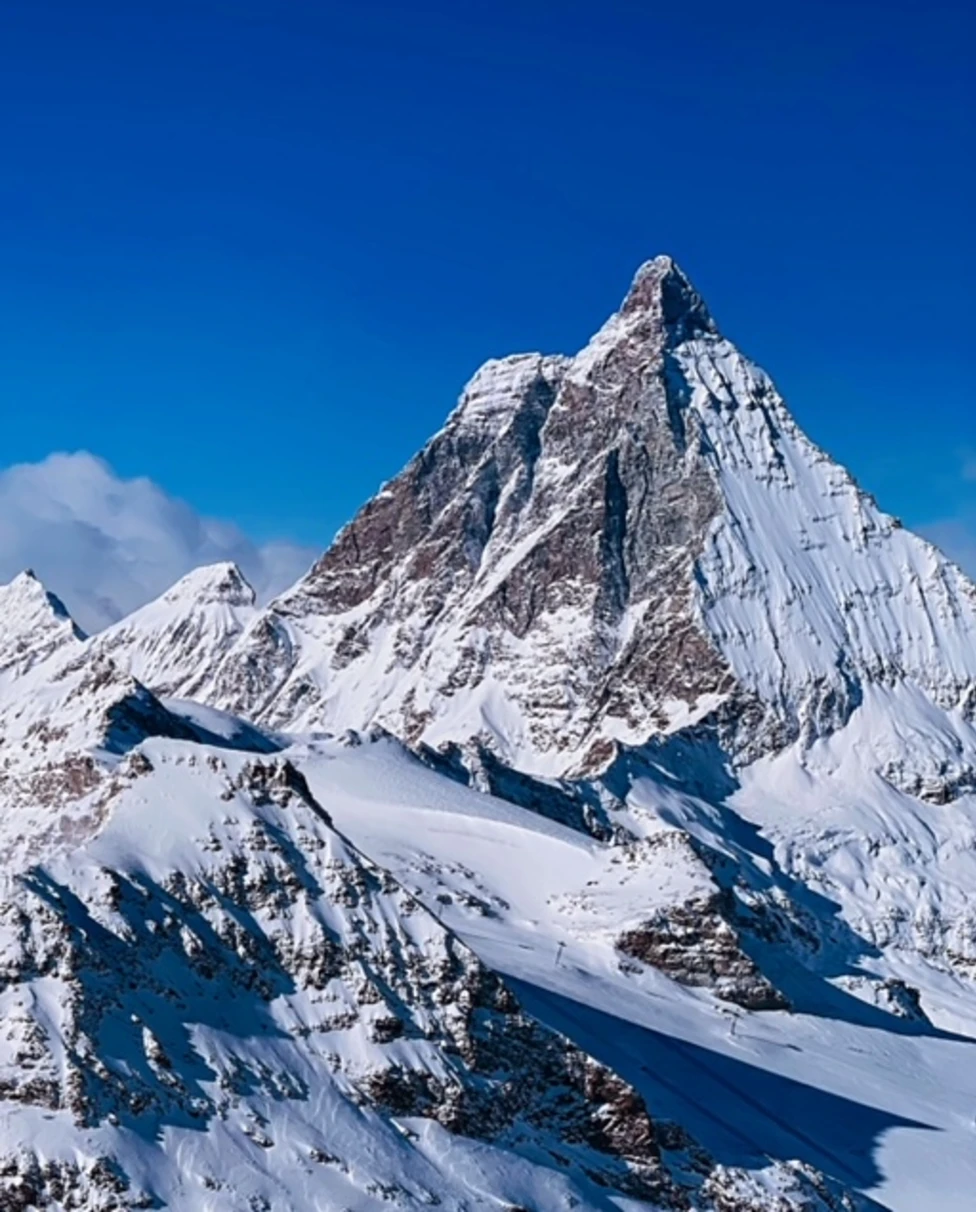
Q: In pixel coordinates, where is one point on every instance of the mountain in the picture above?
(173, 641)
(593, 826)
(603, 549)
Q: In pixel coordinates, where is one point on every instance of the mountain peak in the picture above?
(170, 643)
(29, 585)
(27, 593)
(35, 624)
(661, 285)
(212, 583)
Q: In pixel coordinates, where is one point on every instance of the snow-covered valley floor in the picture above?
(886, 1105)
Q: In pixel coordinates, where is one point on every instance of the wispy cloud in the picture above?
(107, 545)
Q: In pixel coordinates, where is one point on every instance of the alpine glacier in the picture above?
(593, 826)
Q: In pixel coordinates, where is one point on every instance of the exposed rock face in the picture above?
(599, 550)
(892, 995)
(688, 912)
(696, 943)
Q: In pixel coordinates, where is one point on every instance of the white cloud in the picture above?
(107, 545)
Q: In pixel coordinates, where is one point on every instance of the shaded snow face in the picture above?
(108, 545)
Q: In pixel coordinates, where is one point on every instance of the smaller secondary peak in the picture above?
(223, 582)
(26, 607)
(28, 584)
(499, 386)
(661, 285)
(28, 587)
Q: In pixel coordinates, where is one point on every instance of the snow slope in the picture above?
(212, 1000)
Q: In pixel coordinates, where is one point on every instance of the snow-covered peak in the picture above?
(221, 582)
(25, 599)
(500, 388)
(33, 624)
(172, 643)
(599, 550)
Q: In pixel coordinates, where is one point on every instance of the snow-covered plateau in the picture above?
(593, 827)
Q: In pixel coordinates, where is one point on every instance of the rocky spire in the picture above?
(661, 286)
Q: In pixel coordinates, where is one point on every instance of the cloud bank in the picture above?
(106, 545)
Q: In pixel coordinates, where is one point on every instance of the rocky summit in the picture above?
(592, 827)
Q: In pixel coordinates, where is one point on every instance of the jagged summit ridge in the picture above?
(660, 294)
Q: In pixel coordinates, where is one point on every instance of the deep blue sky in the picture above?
(254, 249)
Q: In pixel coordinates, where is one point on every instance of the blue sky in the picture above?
(253, 250)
